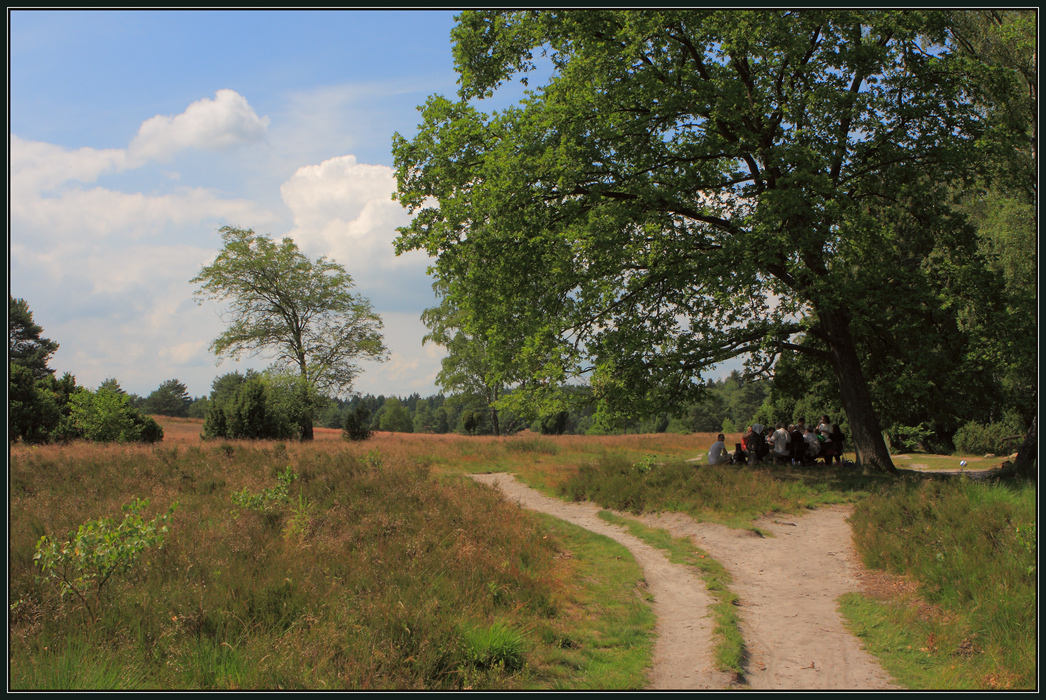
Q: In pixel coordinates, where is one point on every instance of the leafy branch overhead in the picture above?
(690, 186)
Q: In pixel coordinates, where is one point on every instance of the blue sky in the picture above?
(136, 135)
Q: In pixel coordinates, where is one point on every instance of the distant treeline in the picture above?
(729, 405)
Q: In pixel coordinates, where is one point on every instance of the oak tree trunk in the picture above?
(1027, 455)
(305, 429)
(865, 431)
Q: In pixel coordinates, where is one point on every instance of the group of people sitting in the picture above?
(793, 444)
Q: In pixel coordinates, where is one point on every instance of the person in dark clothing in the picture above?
(797, 445)
(838, 438)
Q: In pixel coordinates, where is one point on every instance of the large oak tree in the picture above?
(691, 186)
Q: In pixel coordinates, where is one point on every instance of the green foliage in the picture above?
(975, 438)
(691, 186)
(99, 550)
(471, 366)
(555, 423)
(170, 399)
(34, 407)
(497, 645)
(357, 424)
(294, 401)
(299, 309)
(909, 438)
(199, 408)
(105, 416)
(268, 500)
(25, 346)
(274, 405)
(394, 417)
(37, 402)
(1028, 540)
(470, 420)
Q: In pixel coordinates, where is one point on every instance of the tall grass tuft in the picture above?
(492, 646)
(962, 543)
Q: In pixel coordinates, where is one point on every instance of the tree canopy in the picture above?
(471, 367)
(691, 186)
(299, 310)
(25, 346)
(171, 398)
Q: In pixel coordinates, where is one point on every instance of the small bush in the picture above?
(107, 416)
(97, 551)
(906, 438)
(975, 438)
(268, 499)
(357, 424)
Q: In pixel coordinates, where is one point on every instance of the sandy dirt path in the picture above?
(788, 585)
(682, 651)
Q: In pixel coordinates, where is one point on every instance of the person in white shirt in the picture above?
(718, 454)
(813, 445)
(779, 441)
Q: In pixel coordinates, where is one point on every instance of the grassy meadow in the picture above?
(337, 565)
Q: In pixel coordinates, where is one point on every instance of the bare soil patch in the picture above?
(788, 584)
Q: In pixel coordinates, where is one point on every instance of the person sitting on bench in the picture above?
(717, 454)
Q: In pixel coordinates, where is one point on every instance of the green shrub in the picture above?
(97, 551)
(976, 438)
(107, 416)
(909, 438)
(268, 499)
(257, 407)
(556, 423)
(357, 424)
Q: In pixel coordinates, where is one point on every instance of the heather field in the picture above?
(378, 565)
(313, 566)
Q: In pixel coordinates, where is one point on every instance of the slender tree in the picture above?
(300, 311)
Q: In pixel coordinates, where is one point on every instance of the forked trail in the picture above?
(788, 585)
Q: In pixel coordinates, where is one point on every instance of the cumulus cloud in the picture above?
(344, 209)
(226, 121)
(222, 123)
(58, 213)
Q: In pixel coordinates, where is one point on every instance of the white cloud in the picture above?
(78, 217)
(222, 123)
(38, 167)
(226, 121)
(344, 209)
(107, 266)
